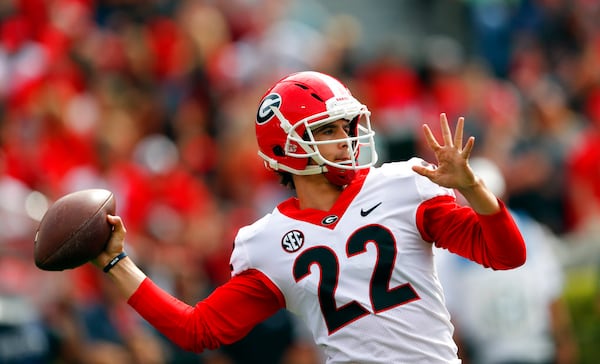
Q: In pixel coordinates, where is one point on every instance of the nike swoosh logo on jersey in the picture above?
(364, 213)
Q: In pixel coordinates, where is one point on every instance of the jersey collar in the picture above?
(328, 219)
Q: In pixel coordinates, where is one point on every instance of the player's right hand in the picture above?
(116, 243)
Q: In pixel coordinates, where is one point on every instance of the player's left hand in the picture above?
(452, 170)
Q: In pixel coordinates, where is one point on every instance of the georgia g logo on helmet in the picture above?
(264, 113)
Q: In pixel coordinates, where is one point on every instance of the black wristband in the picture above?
(114, 262)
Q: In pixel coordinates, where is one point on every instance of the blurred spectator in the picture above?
(516, 316)
(107, 323)
(23, 335)
(393, 87)
(535, 170)
(583, 174)
(85, 324)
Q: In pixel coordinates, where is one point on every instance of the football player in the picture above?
(352, 252)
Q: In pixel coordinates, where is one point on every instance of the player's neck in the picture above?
(316, 192)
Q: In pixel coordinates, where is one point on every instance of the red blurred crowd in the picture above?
(155, 100)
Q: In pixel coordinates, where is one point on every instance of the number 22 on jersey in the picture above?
(382, 296)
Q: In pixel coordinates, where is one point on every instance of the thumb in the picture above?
(118, 225)
(425, 169)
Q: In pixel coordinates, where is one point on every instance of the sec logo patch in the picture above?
(292, 241)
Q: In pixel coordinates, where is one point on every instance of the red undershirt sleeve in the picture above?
(491, 240)
(224, 317)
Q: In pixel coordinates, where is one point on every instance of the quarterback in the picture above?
(352, 252)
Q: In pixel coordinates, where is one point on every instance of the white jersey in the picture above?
(360, 275)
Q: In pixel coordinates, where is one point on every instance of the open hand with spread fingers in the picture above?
(452, 170)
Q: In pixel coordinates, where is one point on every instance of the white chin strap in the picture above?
(276, 166)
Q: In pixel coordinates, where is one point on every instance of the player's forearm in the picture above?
(504, 244)
(492, 240)
(224, 317)
(127, 276)
(482, 200)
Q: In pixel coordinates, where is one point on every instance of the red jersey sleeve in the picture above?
(224, 317)
(493, 241)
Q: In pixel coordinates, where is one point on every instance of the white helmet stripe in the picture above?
(334, 85)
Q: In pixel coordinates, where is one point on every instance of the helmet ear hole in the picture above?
(278, 151)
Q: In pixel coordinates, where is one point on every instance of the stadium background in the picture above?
(154, 99)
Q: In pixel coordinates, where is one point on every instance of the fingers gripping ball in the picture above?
(74, 230)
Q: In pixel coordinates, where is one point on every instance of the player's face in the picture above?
(336, 130)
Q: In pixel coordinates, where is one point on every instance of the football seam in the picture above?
(80, 228)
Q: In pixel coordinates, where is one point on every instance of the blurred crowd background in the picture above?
(155, 100)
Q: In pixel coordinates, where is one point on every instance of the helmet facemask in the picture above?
(300, 142)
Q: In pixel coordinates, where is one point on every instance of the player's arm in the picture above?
(484, 232)
(492, 240)
(226, 316)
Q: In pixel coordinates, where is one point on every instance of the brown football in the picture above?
(74, 229)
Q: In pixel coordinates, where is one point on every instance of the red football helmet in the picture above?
(298, 104)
